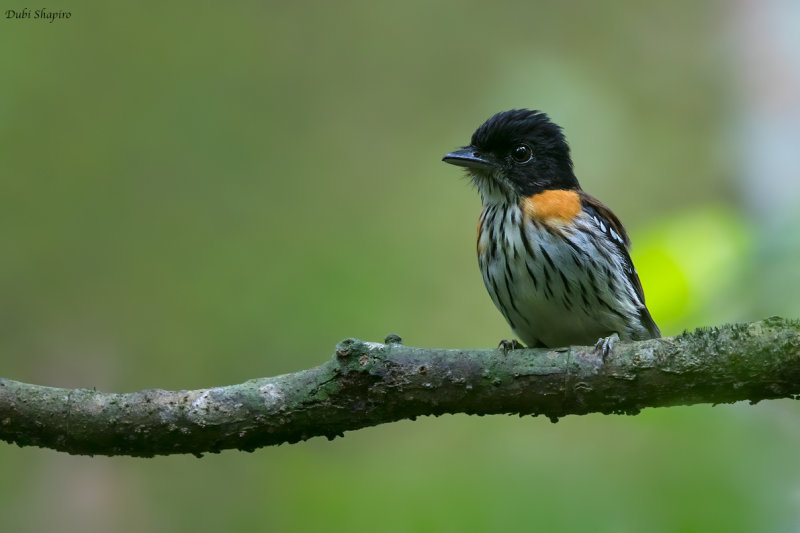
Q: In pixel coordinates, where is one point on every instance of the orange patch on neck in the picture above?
(552, 206)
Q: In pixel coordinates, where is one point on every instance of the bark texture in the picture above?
(365, 384)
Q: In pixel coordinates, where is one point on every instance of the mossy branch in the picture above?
(365, 384)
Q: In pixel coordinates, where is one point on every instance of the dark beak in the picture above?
(468, 157)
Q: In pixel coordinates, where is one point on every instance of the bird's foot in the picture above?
(604, 345)
(507, 346)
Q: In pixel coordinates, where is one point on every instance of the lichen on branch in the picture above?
(365, 384)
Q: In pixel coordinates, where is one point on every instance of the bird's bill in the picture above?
(468, 157)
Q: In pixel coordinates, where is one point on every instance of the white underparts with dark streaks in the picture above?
(556, 283)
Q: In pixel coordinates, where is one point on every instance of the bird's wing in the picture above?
(616, 233)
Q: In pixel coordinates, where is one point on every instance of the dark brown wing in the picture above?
(616, 233)
(596, 208)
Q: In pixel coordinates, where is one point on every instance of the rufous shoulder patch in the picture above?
(552, 206)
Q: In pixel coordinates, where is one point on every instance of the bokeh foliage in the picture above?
(196, 194)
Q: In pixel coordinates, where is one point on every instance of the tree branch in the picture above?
(366, 384)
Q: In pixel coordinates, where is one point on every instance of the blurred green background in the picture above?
(195, 194)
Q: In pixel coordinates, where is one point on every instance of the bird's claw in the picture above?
(605, 345)
(507, 346)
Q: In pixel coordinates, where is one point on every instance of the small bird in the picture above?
(554, 259)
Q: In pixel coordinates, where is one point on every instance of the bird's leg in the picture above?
(604, 345)
(506, 346)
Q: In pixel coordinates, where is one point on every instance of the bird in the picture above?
(554, 259)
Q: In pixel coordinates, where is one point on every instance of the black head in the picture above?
(517, 153)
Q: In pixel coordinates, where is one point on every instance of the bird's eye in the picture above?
(522, 153)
